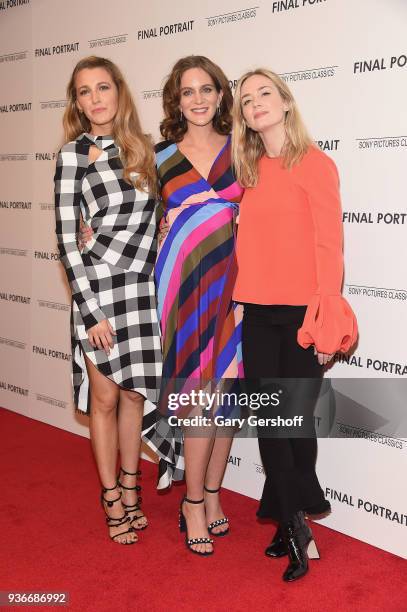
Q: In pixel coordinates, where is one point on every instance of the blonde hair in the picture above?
(247, 145)
(136, 148)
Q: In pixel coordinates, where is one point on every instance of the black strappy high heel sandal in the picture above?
(116, 522)
(128, 508)
(183, 529)
(221, 521)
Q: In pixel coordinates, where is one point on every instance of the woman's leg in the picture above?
(131, 408)
(261, 359)
(104, 398)
(303, 368)
(197, 451)
(214, 476)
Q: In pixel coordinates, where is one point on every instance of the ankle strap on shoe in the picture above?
(104, 489)
(193, 501)
(212, 490)
(138, 473)
(136, 488)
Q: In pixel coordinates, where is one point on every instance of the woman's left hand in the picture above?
(323, 358)
(85, 234)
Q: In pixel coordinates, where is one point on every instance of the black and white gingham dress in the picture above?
(113, 278)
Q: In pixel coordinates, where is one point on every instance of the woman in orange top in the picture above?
(289, 252)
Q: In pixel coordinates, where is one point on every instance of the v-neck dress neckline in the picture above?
(207, 180)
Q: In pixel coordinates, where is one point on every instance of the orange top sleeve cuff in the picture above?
(329, 324)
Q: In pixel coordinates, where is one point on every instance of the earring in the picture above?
(218, 109)
(181, 116)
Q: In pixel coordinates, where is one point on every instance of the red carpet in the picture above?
(53, 538)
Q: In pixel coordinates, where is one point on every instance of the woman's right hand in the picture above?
(101, 336)
(85, 234)
(164, 228)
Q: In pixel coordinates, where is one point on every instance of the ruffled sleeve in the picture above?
(329, 324)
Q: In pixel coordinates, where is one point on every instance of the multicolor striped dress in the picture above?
(196, 269)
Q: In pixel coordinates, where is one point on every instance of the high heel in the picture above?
(300, 546)
(116, 522)
(276, 548)
(183, 529)
(130, 508)
(222, 521)
(312, 550)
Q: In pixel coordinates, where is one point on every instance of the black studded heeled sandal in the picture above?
(222, 521)
(183, 529)
(128, 508)
(116, 522)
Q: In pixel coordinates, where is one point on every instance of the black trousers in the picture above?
(271, 351)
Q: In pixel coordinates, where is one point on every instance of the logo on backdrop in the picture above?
(381, 218)
(53, 305)
(72, 47)
(13, 57)
(234, 461)
(45, 156)
(16, 107)
(380, 63)
(7, 4)
(6, 386)
(15, 252)
(13, 297)
(52, 401)
(49, 352)
(328, 145)
(47, 255)
(384, 143)
(259, 468)
(381, 293)
(115, 39)
(46, 205)
(148, 94)
(13, 343)
(233, 17)
(366, 506)
(53, 104)
(309, 74)
(286, 5)
(351, 431)
(370, 363)
(5, 157)
(165, 30)
(15, 205)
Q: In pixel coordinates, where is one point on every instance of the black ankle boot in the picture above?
(276, 548)
(297, 537)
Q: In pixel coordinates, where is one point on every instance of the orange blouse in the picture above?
(289, 248)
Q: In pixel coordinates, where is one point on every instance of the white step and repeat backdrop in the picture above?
(346, 62)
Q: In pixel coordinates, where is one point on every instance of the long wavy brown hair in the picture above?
(173, 127)
(247, 145)
(136, 148)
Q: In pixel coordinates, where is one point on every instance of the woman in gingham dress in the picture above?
(106, 173)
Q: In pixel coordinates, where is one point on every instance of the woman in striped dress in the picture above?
(195, 273)
(105, 172)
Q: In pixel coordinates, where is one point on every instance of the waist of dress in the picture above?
(221, 203)
(134, 252)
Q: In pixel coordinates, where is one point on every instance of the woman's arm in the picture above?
(329, 323)
(70, 170)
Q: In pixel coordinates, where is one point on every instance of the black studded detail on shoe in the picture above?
(221, 521)
(192, 541)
